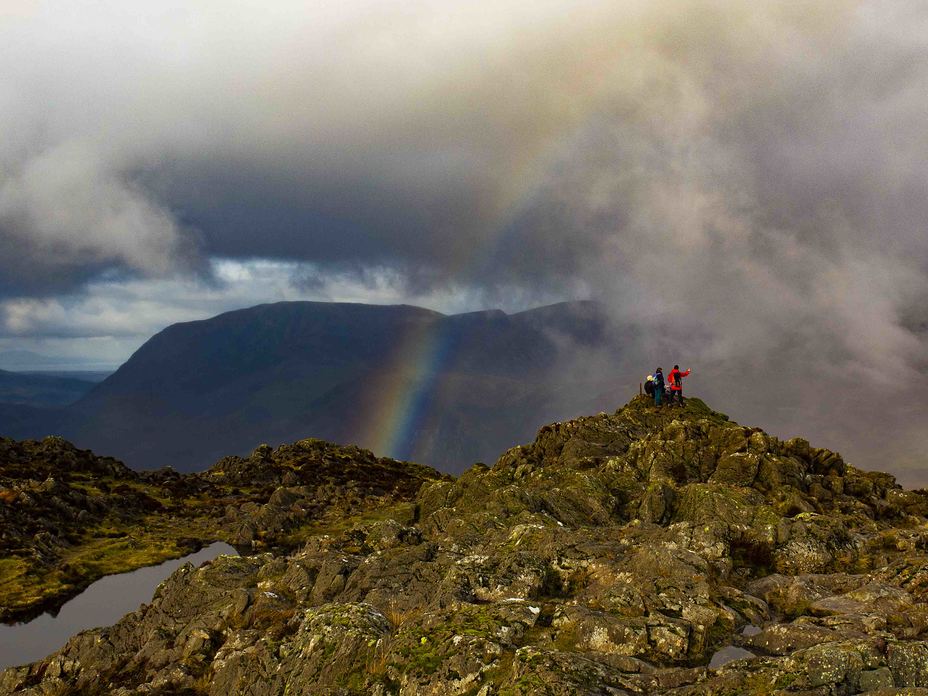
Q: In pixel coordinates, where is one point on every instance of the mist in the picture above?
(742, 186)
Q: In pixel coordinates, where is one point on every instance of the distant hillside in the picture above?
(39, 390)
(404, 381)
(92, 376)
(29, 361)
(18, 420)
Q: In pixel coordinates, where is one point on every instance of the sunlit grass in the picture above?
(105, 550)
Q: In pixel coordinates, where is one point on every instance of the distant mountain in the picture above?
(404, 381)
(92, 376)
(31, 389)
(29, 361)
(20, 420)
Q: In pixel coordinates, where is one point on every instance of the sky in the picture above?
(742, 182)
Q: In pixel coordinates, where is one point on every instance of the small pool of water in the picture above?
(729, 653)
(102, 604)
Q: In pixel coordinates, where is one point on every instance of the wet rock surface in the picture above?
(616, 554)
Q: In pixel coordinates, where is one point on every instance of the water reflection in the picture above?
(729, 653)
(102, 604)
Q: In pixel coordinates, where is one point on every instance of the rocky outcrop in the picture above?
(68, 517)
(616, 554)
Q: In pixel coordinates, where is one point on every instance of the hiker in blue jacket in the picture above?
(658, 386)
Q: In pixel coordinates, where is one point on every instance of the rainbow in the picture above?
(401, 396)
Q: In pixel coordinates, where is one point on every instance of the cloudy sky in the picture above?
(744, 182)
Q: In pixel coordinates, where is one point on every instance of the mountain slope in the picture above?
(406, 382)
(41, 390)
(615, 554)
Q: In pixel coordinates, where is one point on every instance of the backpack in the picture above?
(649, 388)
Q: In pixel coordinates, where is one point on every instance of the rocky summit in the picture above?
(641, 552)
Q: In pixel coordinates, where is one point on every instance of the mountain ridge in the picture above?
(197, 390)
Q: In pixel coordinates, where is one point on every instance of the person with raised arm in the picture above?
(676, 384)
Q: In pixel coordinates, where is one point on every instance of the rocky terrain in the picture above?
(68, 517)
(616, 554)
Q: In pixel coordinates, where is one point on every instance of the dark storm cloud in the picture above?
(368, 134)
(417, 136)
(742, 183)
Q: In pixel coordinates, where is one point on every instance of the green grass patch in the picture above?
(11, 569)
(105, 550)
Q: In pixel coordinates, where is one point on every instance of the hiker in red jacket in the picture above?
(676, 384)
